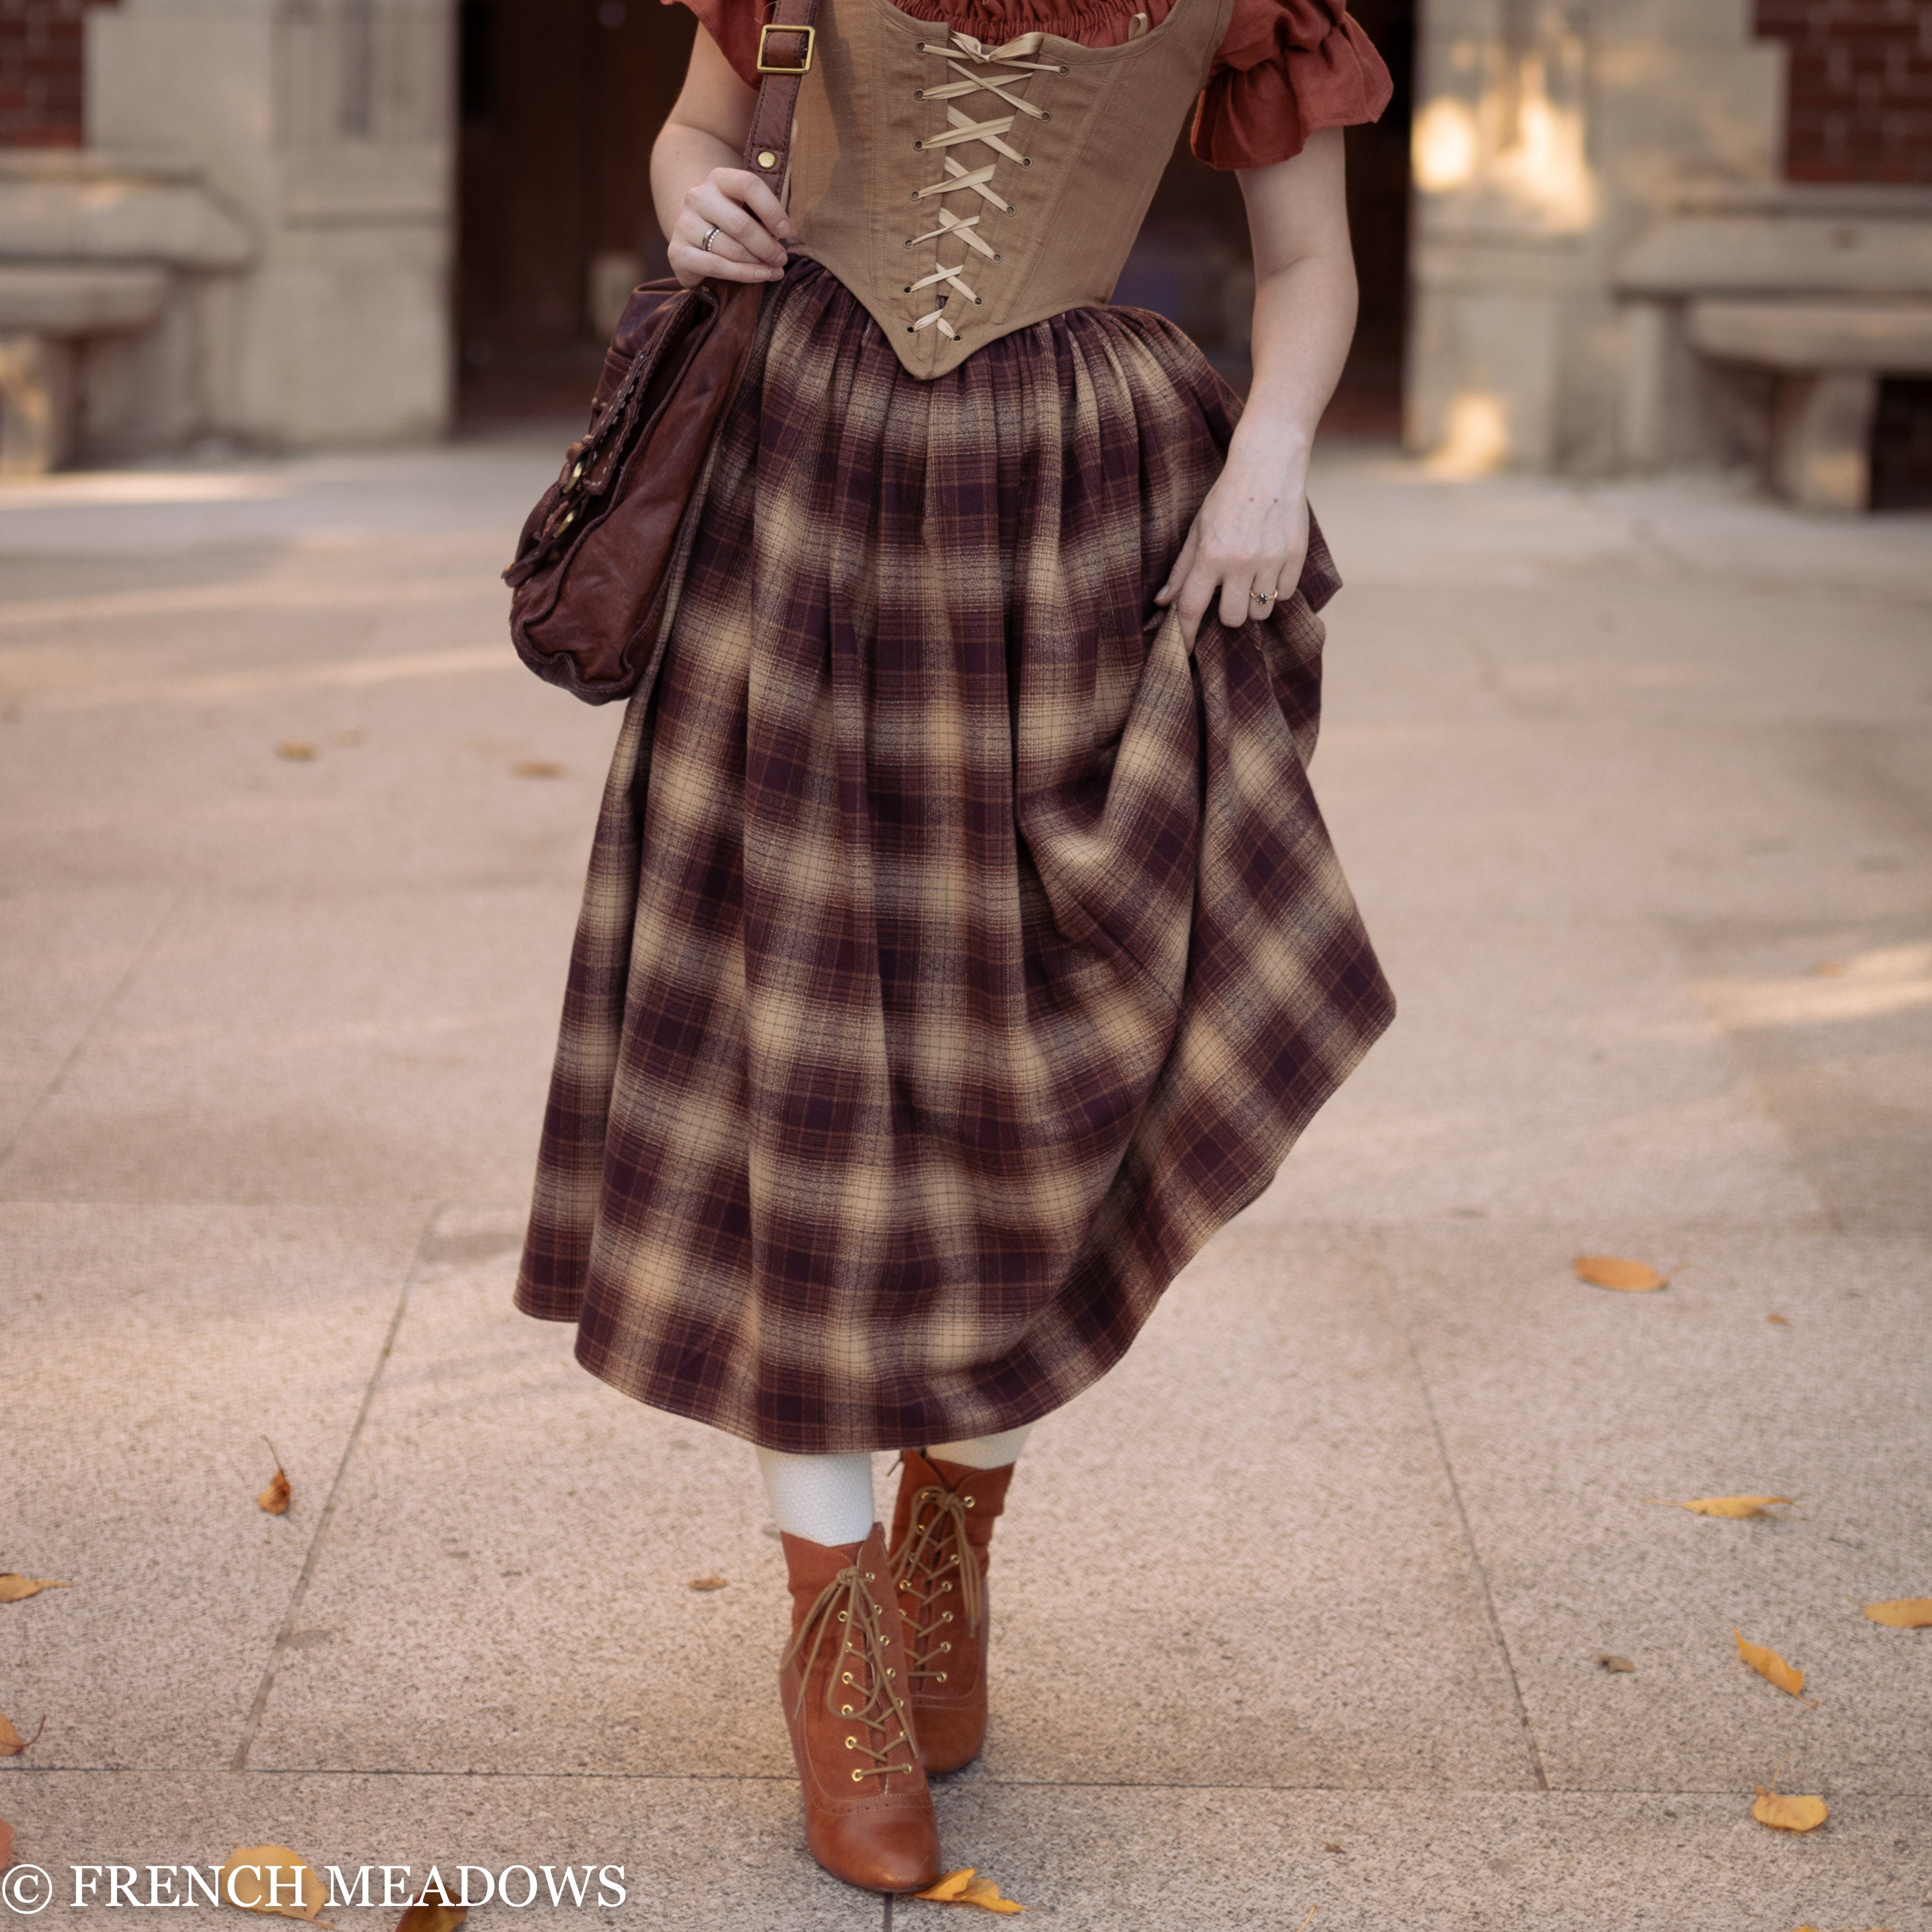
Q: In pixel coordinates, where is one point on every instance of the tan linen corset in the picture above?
(962, 191)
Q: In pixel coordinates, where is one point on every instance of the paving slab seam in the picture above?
(1401, 1308)
(143, 954)
(1511, 1792)
(279, 1647)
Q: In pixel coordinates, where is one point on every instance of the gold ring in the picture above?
(710, 235)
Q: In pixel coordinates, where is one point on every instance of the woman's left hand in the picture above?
(1245, 546)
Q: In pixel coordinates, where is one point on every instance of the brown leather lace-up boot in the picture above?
(942, 1527)
(868, 1814)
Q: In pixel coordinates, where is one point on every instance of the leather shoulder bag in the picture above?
(593, 566)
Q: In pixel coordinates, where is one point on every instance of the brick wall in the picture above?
(39, 72)
(1860, 87)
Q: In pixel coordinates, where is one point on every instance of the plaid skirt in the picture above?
(959, 952)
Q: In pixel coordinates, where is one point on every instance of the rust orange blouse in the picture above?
(1285, 68)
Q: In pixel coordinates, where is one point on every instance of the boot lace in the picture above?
(861, 1685)
(938, 1568)
(982, 70)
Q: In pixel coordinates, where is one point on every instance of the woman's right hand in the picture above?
(749, 220)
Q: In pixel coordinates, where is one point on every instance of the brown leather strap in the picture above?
(768, 148)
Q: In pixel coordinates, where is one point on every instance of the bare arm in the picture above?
(698, 183)
(1251, 534)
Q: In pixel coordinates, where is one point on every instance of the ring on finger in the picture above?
(710, 235)
(1263, 598)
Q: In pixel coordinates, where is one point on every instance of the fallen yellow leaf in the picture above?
(538, 768)
(261, 1878)
(1782, 1320)
(15, 1589)
(1733, 1509)
(965, 1887)
(1608, 1659)
(1902, 1613)
(1769, 1665)
(1612, 1271)
(985, 1894)
(276, 1497)
(1789, 1814)
(6, 1844)
(424, 1917)
(709, 1583)
(949, 1888)
(11, 1742)
(296, 751)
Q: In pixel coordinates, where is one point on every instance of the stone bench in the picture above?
(1825, 290)
(44, 311)
(93, 250)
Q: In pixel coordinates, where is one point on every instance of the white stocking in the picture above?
(822, 1498)
(984, 1452)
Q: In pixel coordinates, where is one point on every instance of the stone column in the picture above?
(328, 126)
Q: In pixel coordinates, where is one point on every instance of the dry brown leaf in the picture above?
(1732, 1509)
(708, 1583)
(538, 768)
(424, 1917)
(11, 1742)
(15, 1589)
(1612, 1271)
(1608, 1659)
(1770, 1666)
(1829, 969)
(1789, 1814)
(264, 1871)
(6, 1844)
(1902, 1613)
(1779, 1320)
(275, 1497)
(296, 751)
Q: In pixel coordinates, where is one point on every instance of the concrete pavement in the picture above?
(1303, 1606)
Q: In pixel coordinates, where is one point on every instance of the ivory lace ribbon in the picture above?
(963, 54)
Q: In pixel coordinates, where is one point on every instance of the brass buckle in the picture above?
(778, 27)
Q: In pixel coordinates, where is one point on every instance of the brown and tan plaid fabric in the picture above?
(958, 954)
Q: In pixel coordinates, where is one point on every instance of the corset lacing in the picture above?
(1011, 61)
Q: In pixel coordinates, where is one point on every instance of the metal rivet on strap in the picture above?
(767, 159)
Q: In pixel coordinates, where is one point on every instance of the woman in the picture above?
(962, 944)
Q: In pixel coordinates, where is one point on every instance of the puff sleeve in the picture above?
(734, 25)
(1286, 68)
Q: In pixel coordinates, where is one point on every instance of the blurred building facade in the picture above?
(1595, 235)
(1655, 232)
